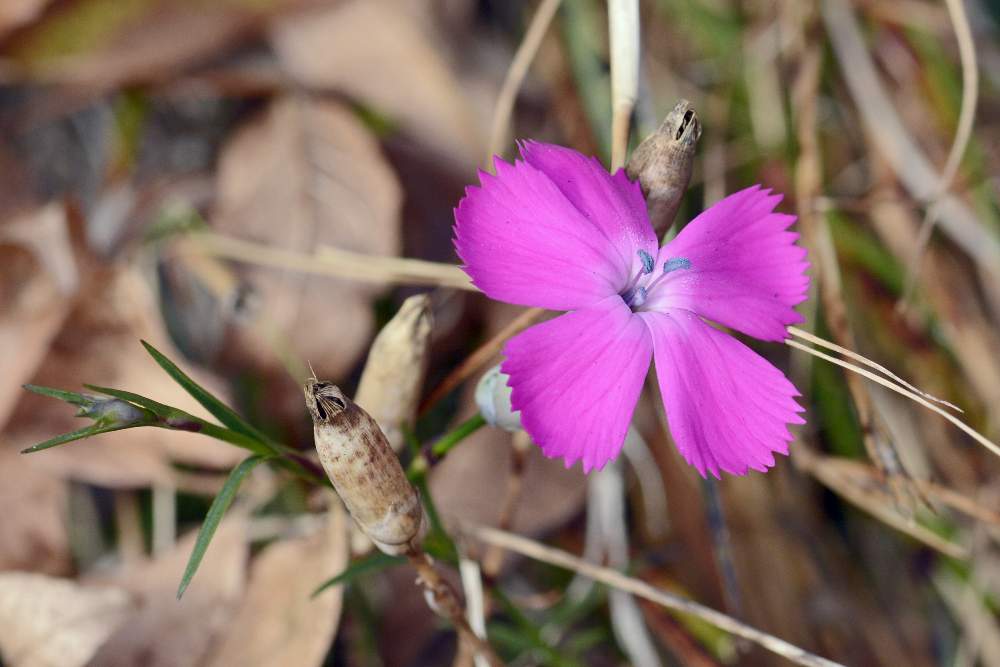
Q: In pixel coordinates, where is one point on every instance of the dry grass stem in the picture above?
(526, 52)
(639, 588)
(336, 263)
(443, 600)
(895, 143)
(975, 435)
(481, 356)
(816, 340)
(623, 29)
(874, 500)
(966, 118)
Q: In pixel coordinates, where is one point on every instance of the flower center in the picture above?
(636, 294)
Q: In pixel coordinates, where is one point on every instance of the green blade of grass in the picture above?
(214, 517)
(79, 434)
(71, 397)
(215, 407)
(374, 563)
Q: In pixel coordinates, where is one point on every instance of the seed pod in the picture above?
(663, 162)
(394, 373)
(364, 470)
(493, 399)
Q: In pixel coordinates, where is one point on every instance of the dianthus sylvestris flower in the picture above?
(557, 231)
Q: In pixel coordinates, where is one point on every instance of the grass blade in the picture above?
(214, 517)
(79, 434)
(215, 407)
(373, 563)
(71, 397)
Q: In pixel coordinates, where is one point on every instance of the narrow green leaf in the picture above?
(215, 407)
(79, 434)
(68, 396)
(377, 561)
(214, 517)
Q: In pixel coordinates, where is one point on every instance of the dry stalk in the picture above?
(639, 588)
(966, 118)
(518, 69)
(441, 597)
(876, 501)
(480, 357)
(816, 234)
(369, 479)
(900, 150)
(336, 263)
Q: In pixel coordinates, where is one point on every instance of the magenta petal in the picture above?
(728, 407)
(613, 203)
(576, 380)
(524, 241)
(746, 270)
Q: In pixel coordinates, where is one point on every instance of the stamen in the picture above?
(669, 266)
(675, 263)
(647, 261)
(647, 267)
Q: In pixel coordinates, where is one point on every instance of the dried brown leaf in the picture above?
(308, 173)
(48, 622)
(38, 275)
(279, 623)
(165, 631)
(33, 531)
(16, 13)
(139, 42)
(379, 53)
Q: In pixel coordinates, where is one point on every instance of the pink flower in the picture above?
(556, 230)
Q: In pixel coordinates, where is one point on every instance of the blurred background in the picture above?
(172, 170)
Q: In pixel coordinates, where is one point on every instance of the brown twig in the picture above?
(441, 597)
(515, 76)
(639, 588)
(480, 357)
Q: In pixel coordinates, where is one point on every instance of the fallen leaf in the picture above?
(103, 44)
(33, 531)
(16, 13)
(308, 173)
(99, 344)
(165, 631)
(279, 622)
(38, 276)
(351, 46)
(49, 622)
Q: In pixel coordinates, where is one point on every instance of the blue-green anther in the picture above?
(676, 263)
(647, 261)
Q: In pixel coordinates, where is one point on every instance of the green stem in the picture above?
(463, 431)
(419, 465)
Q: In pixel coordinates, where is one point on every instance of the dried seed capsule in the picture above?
(394, 373)
(364, 470)
(663, 161)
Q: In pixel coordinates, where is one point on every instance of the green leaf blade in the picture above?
(214, 517)
(215, 407)
(79, 434)
(373, 563)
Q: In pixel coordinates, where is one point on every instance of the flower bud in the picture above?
(394, 373)
(364, 470)
(493, 399)
(663, 162)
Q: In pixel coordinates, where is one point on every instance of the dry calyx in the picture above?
(364, 470)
